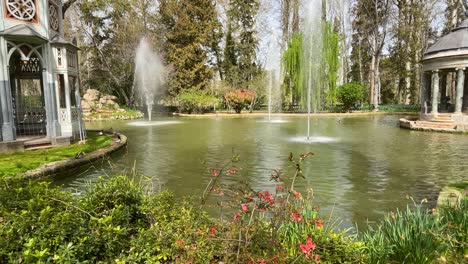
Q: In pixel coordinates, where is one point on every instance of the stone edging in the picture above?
(412, 125)
(64, 165)
(449, 195)
(264, 114)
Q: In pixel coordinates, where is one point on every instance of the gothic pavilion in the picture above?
(38, 73)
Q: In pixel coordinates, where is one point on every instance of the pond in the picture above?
(362, 168)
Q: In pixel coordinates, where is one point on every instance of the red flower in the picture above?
(213, 230)
(266, 195)
(179, 242)
(244, 207)
(215, 173)
(308, 247)
(279, 188)
(319, 223)
(297, 216)
(297, 194)
(236, 216)
(231, 172)
(316, 258)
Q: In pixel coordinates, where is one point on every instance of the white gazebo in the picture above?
(38, 74)
(444, 90)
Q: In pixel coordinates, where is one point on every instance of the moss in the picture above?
(17, 163)
(461, 186)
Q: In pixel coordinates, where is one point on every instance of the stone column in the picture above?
(425, 83)
(8, 126)
(435, 93)
(459, 92)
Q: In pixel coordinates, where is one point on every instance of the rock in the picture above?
(91, 95)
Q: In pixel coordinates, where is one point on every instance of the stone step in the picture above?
(448, 121)
(32, 148)
(444, 117)
(430, 124)
(35, 144)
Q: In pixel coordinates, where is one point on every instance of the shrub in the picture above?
(350, 94)
(195, 101)
(412, 236)
(239, 99)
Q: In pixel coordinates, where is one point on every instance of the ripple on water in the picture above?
(153, 123)
(313, 139)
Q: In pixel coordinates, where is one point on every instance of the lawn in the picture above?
(17, 163)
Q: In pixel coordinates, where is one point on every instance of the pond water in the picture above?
(362, 168)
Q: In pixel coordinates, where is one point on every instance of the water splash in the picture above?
(312, 54)
(150, 74)
(317, 139)
(152, 123)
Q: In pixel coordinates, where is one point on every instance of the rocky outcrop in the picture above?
(94, 101)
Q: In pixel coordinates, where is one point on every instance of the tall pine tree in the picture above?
(190, 29)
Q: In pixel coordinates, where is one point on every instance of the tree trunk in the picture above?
(377, 82)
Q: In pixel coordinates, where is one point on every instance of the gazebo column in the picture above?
(459, 92)
(425, 83)
(7, 127)
(435, 93)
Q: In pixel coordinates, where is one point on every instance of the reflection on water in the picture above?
(363, 166)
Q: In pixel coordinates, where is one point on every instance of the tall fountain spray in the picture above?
(270, 94)
(312, 54)
(149, 74)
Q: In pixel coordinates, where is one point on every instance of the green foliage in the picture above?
(349, 94)
(293, 68)
(239, 99)
(240, 65)
(17, 163)
(331, 57)
(193, 101)
(115, 219)
(413, 236)
(107, 38)
(455, 218)
(120, 220)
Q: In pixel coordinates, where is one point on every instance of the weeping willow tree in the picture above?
(293, 70)
(331, 51)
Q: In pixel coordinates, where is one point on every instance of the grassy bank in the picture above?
(17, 163)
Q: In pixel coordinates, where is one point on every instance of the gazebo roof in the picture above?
(59, 40)
(453, 44)
(24, 33)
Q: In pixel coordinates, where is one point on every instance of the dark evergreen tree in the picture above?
(191, 36)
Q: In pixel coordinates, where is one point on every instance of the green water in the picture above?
(363, 166)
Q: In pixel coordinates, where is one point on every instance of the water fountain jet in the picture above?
(312, 54)
(149, 74)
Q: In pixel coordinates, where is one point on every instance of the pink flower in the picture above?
(213, 230)
(279, 188)
(297, 216)
(319, 223)
(215, 173)
(308, 247)
(244, 207)
(316, 258)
